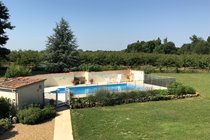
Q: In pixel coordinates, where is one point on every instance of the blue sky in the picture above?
(107, 24)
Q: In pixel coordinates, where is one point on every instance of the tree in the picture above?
(62, 53)
(29, 58)
(166, 48)
(143, 46)
(4, 24)
(185, 49)
(208, 40)
(195, 39)
(201, 48)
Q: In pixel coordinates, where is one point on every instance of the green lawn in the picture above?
(175, 119)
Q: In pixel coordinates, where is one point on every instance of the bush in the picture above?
(104, 97)
(189, 90)
(4, 125)
(47, 112)
(34, 114)
(179, 89)
(17, 70)
(6, 107)
(29, 115)
(160, 92)
(176, 89)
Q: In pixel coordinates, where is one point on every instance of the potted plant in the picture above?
(91, 81)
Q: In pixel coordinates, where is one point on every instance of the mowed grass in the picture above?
(176, 119)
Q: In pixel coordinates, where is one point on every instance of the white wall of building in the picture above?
(31, 94)
(7, 94)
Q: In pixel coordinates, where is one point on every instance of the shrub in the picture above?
(47, 112)
(179, 89)
(4, 125)
(29, 115)
(189, 90)
(6, 107)
(34, 114)
(17, 70)
(103, 97)
(160, 92)
(176, 89)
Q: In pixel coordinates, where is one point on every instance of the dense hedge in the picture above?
(134, 60)
(35, 114)
(107, 98)
(114, 60)
(7, 108)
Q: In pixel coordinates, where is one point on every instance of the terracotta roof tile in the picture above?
(18, 82)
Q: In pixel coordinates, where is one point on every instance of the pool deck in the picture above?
(63, 126)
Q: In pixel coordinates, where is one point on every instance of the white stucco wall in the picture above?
(109, 76)
(7, 94)
(137, 75)
(31, 94)
(62, 79)
(59, 79)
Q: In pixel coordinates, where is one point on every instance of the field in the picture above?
(175, 119)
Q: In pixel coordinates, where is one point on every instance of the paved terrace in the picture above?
(63, 126)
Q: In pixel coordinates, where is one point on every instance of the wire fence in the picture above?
(158, 80)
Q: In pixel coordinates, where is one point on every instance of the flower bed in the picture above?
(107, 98)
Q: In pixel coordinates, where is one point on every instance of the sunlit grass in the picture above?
(174, 119)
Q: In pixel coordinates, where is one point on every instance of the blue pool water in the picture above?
(93, 89)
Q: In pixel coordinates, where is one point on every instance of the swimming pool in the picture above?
(92, 89)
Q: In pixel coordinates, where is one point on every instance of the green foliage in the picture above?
(29, 115)
(90, 67)
(104, 97)
(4, 125)
(160, 92)
(47, 112)
(189, 90)
(6, 107)
(146, 47)
(17, 70)
(144, 61)
(198, 46)
(4, 25)
(27, 58)
(179, 89)
(61, 52)
(148, 69)
(35, 114)
(176, 88)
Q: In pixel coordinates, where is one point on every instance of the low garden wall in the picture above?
(106, 77)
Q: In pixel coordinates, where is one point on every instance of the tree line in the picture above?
(197, 46)
(98, 60)
(62, 53)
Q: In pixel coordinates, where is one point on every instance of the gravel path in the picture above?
(42, 131)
